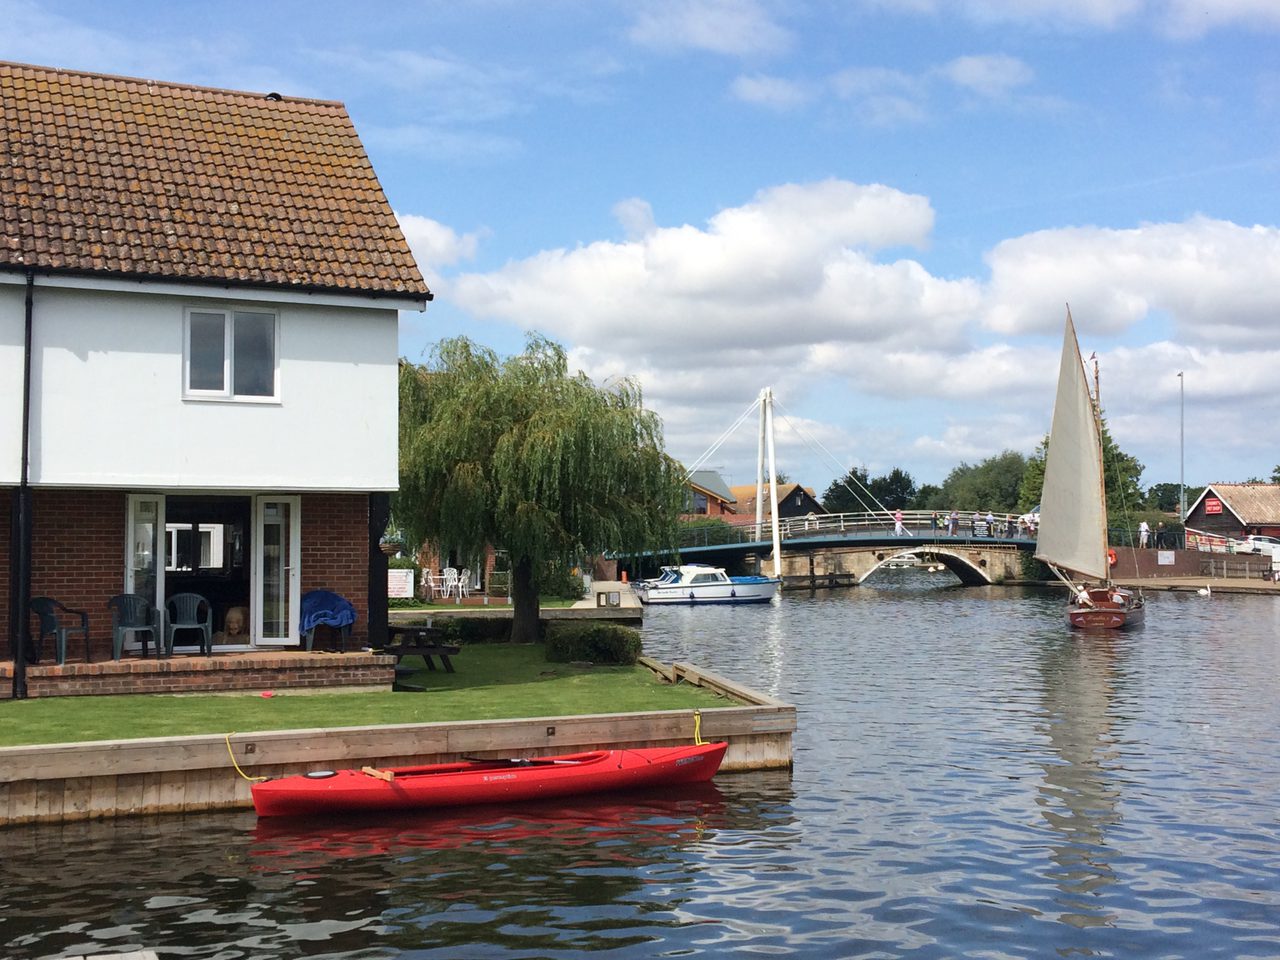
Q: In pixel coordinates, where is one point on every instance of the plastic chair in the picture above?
(55, 621)
(324, 608)
(448, 581)
(183, 612)
(464, 583)
(131, 613)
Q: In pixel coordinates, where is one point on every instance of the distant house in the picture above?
(794, 500)
(708, 495)
(1235, 510)
(199, 297)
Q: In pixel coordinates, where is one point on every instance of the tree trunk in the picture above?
(524, 602)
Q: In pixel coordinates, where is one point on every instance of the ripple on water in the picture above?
(971, 780)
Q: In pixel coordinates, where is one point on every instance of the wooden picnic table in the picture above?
(424, 642)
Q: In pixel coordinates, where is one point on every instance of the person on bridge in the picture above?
(953, 523)
(898, 529)
(1144, 533)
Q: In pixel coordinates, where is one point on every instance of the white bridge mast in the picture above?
(765, 446)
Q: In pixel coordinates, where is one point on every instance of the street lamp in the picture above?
(1182, 448)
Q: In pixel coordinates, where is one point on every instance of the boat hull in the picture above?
(485, 781)
(740, 590)
(1103, 612)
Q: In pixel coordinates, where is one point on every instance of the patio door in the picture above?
(277, 573)
(145, 549)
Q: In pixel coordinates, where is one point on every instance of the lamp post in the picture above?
(1182, 448)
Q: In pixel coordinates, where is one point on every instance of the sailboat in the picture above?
(1073, 507)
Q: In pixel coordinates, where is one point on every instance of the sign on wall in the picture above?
(399, 583)
(1212, 505)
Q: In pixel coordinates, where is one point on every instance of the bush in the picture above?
(464, 630)
(561, 583)
(594, 642)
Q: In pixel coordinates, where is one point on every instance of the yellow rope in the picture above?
(697, 728)
(236, 765)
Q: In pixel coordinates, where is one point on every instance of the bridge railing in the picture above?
(916, 523)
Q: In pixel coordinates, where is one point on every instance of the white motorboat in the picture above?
(696, 583)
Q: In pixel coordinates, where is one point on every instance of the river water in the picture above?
(971, 780)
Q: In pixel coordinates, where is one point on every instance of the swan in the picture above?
(1205, 591)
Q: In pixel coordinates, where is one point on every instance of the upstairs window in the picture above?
(231, 354)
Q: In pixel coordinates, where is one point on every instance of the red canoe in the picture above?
(484, 781)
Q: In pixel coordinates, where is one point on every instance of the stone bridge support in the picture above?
(975, 564)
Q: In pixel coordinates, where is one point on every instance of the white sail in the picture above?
(1073, 511)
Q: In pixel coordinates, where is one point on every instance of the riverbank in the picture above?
(56, 782)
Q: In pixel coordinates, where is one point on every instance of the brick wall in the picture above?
(78, 539)
(78, 557)
(335, 555)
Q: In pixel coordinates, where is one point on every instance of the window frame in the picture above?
(226, 392)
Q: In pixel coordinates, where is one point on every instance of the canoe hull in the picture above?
(498, 781)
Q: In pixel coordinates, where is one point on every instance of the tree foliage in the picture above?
(523, 455)
(1122, 477)
(848, 494)
(993, 484)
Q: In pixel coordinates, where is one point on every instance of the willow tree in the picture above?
(520, 454)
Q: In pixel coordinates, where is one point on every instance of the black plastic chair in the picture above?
(131, 613)
(57, 620)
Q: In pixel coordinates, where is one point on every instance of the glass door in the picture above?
(145, 550)
(277, 574)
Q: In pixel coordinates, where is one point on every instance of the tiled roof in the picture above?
(117, 176)
(1254, 503)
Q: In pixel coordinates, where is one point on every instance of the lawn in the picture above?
(493, 681)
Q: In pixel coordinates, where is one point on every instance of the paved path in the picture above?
(1215, 584)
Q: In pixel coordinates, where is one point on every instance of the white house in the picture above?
(198, 351)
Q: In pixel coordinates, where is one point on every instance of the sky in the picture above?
(878, 209)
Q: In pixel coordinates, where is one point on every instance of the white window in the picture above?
(231, 353)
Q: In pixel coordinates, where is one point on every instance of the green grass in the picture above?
(493, 681)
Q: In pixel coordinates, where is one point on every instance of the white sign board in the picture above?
(1164, 558)
(399, 583)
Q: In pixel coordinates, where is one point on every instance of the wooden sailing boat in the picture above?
(1073, 508)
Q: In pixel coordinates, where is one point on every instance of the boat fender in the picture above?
(692, 597)
(1111, 558)
(733, 593)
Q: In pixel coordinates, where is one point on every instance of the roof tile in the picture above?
(130, 176)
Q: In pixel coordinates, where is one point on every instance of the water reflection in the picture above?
(1078, 794)
(972, 779)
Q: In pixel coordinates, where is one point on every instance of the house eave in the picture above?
(200, 286)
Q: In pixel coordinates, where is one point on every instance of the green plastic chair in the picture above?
(131, 613)
(188, 611)
(57, 620)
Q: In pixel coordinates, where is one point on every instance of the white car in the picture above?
(1265, 545)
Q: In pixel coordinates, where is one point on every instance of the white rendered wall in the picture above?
(108, 408)
(11, 323)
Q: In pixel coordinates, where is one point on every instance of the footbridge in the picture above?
(843, 549)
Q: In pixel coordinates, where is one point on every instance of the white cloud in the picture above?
(435, 245)
(1181, 18)
(992, 76)
(796, 257)
(775, 92)
(792, 290)
(1219, 281)
(732, 27)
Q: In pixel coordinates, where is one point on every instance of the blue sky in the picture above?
(876, 207)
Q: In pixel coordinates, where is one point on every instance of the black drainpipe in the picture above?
(20, 540)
